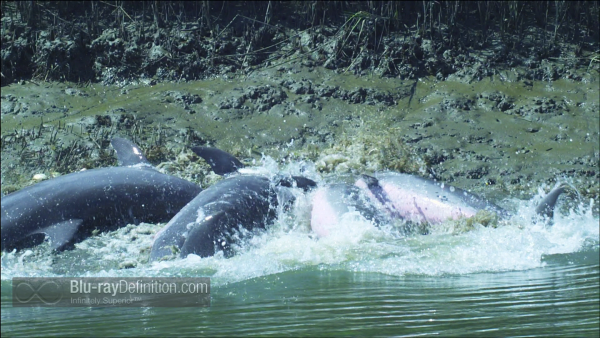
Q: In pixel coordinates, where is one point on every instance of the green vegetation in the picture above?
(361, 25)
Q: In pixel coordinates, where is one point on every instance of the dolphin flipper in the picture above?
(220, 161)
(61, 233)
(200, 237)
(128, 153)
(546, 207)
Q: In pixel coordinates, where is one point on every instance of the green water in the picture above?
(559, 299)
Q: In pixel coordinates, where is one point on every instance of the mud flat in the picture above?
(500, 114)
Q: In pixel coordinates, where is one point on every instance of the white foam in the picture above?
(355, 245)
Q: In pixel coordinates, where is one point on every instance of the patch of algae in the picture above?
(188, 166)
(368, 147)
(483, 218)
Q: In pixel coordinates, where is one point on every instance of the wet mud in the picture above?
(501, 117)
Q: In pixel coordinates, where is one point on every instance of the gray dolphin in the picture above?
(67, 209)
(228, 211)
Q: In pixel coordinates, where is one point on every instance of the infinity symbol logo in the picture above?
(48, 292)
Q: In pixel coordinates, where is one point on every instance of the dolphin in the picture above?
(390, 195)
(67, 209)
(331, 201)
(227, 212)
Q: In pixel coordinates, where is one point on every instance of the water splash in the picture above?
(518, 243)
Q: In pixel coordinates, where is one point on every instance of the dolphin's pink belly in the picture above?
(323, 216)
(400, 196)
(416, 206)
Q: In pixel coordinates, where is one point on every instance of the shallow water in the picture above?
(560, 298)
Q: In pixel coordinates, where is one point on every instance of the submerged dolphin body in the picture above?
(67, 209)
(228, 211)
(390, 195)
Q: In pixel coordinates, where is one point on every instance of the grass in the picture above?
(361, 25)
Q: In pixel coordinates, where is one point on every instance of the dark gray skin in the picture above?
(546, 206)
(214, 218)
(227, 212)
(67, 209)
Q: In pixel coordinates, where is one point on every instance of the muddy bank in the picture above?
(493, 137)
(497, 119)
(129, 42)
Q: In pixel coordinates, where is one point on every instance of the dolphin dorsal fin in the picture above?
(546, 207)
(128, 153)
(220, 161)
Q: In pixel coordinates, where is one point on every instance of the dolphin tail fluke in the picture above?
(546, 207)
(220, 161)
(128, 153)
